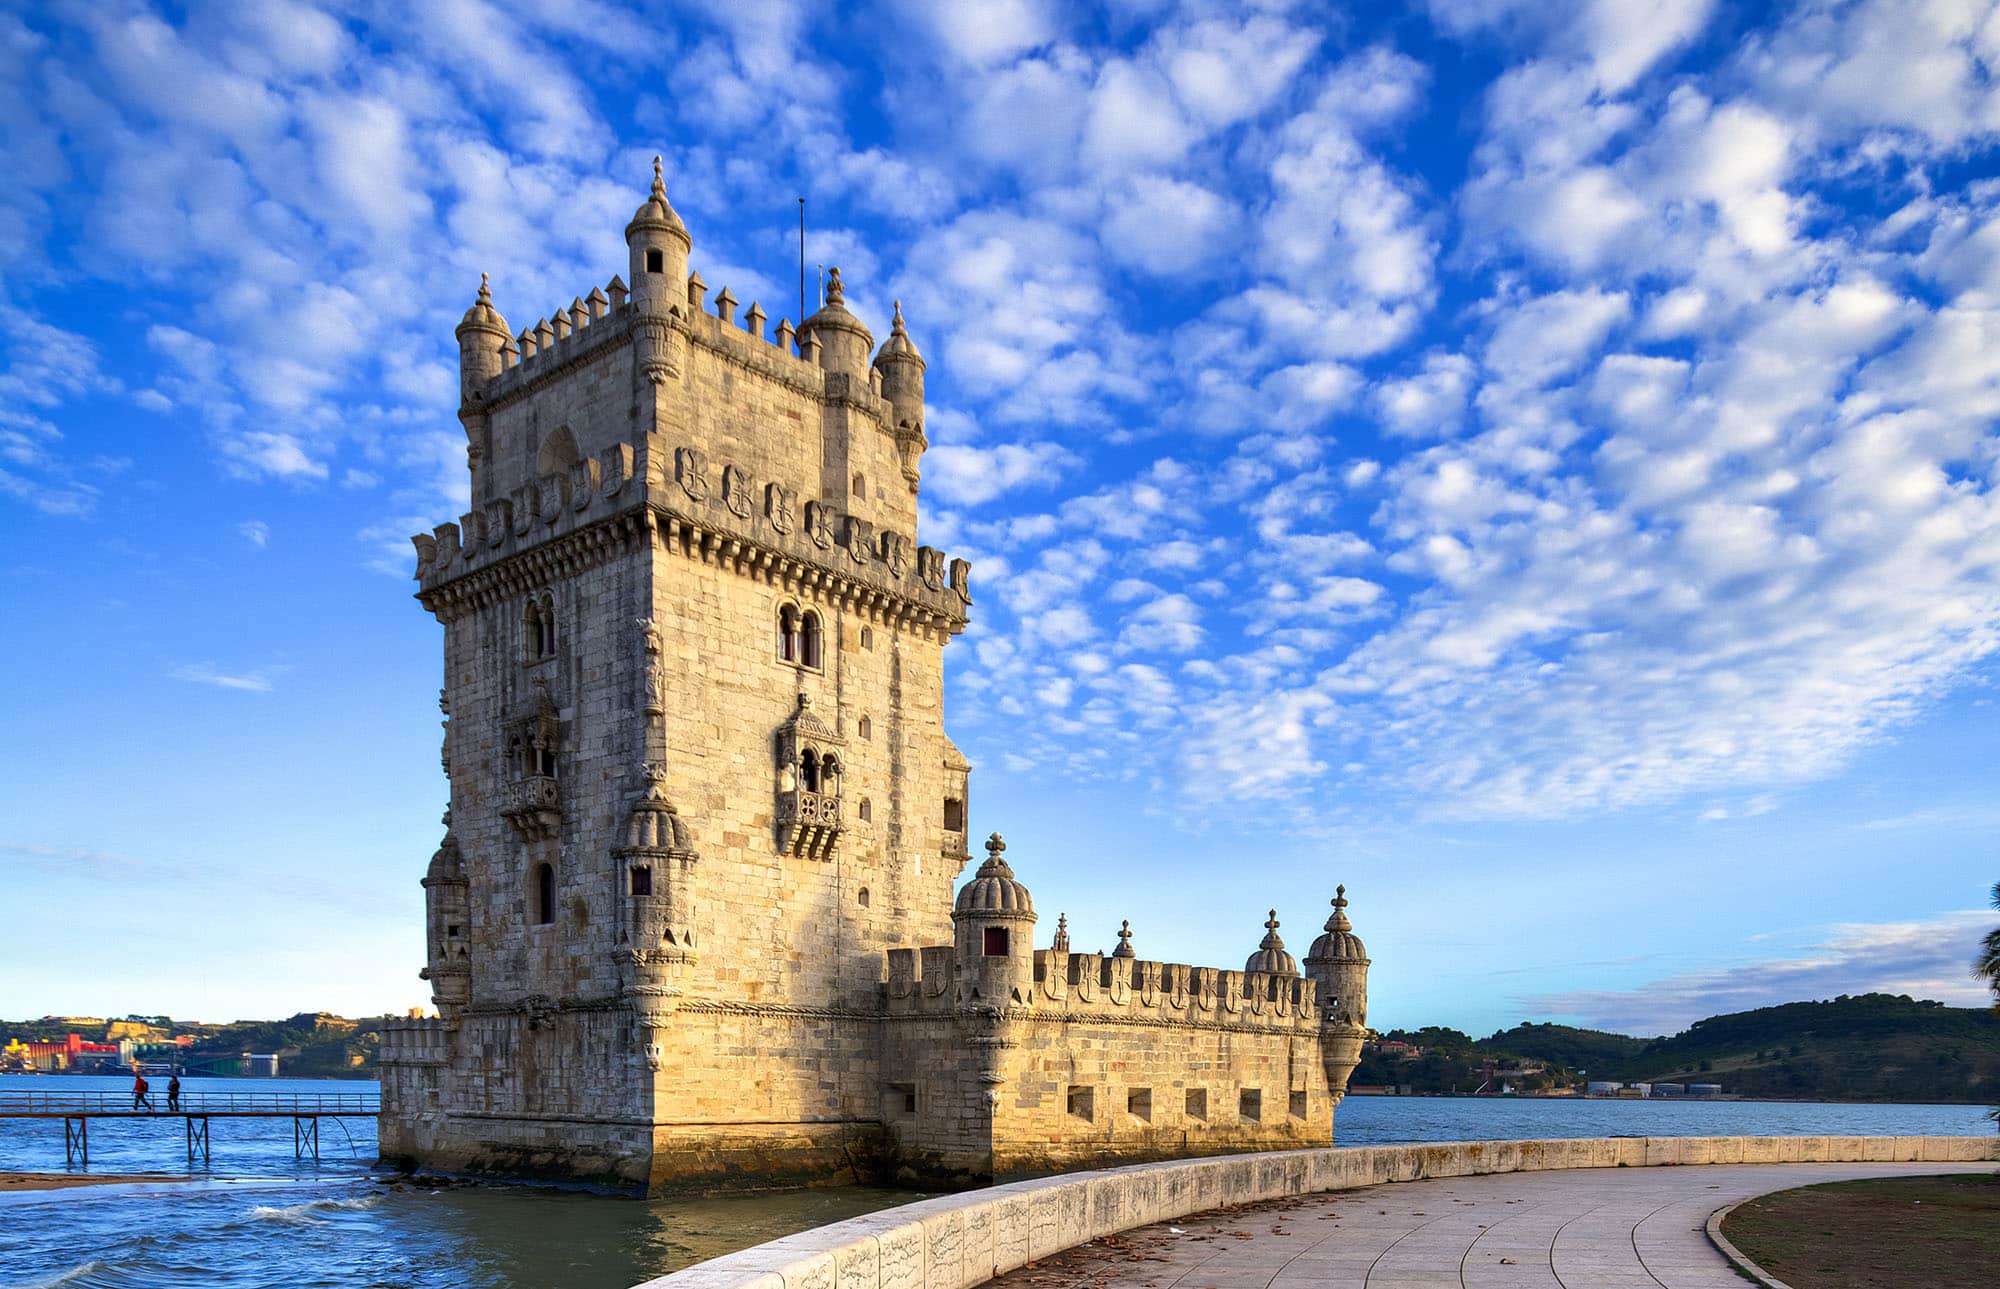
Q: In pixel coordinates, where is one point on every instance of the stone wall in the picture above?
(963, 1240)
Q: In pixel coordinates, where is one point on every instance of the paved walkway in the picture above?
(1590, 1228)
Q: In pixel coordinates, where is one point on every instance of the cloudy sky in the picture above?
(1533, 461)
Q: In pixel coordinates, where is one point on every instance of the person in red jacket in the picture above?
(139, 1097)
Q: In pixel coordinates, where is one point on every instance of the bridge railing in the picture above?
(17, 1102)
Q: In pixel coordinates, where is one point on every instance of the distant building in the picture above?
(1668, 1090)
(1704, 1089)
(1600, 1088)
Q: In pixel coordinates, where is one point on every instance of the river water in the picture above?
(258, 1217)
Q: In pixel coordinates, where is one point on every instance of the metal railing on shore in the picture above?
(36, 1103)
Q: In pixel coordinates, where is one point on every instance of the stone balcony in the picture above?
(809, 823)
(533, 806)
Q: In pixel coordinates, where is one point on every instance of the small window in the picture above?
(642, 881)
(1083, 1103)
(900, 1098)
(451, 929)
(809, 770)
(1139, 1104)
(994, 942)
(829, 775)
(867, 729)
(867, 637)
(867, 811)
(954, 815)
(863, 897)
(1250, 1105)
(1298, 1105)
(656, 261)
(860, 488)
(809, 640)
(545, 894)
(788, 634)
(1197, 1104)
(545, 762)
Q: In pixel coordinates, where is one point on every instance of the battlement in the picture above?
(706, 513)
(416, 1041)
(923, 982)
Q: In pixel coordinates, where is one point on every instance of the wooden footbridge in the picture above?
(196, 1109)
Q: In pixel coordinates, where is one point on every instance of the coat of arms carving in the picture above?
(691, 472)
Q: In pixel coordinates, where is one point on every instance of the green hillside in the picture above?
(1870, 1047)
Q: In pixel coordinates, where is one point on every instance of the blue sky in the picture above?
(1533, 462)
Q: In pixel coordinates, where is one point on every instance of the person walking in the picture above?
(139, 1085)
(174, 1091)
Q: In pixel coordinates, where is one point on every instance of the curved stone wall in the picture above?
(956, 1241)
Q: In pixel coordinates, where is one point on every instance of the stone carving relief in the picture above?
(860, 539)
(819, 525)
(691, 472)
(736, 491)
(896, 553)
(781, 506)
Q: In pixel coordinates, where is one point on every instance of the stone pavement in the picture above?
(1596, 1228)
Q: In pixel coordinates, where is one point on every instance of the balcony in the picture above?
(808, 823)
(533, 806)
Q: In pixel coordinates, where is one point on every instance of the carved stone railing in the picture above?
(533, 806)
(809, 823)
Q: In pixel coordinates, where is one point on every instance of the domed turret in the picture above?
(482, 334)
(1339, 944)
(659, 246)
(844, 342)
(1271, 957)
(447, 919)
(1339, 962)
(993, 928)
(902, 369)
(993, 891)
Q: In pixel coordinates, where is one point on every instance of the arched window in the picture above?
(867, 730)
(867, 637)
(860, 488)
(539, 627)
(863, 897)
(867, 811)
(829, 775)
(788, 634)
(558, 452)
(809, 640)
(545, 894)
(809, 770)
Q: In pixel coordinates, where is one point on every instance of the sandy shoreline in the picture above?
(11, 1183)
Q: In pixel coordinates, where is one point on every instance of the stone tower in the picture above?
(699, 778)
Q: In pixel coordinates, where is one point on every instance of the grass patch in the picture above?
(1941, 1232)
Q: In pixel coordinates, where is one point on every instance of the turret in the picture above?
(1271, 957)
(1339, 962)
(902, 369)
(659, 246)
(446, 914)
(993, 923)
(844, 343)
(482, 334)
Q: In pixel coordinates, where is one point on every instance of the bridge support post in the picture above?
(305, 1136)
(197, 1134)
(76, 1139)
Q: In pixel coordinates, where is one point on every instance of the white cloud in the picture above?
(968, 476)
(207, 673)
(1924, 959)
(255, 531)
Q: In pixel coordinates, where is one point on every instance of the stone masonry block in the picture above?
(1010, 1233)
(902, 1254)
(944, 1250)
(1044, 1224)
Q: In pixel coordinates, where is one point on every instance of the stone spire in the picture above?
(1061, 944)
(1339, 944)
(845, 342)
(1124, 949)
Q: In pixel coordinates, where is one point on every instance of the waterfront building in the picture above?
(692, 918)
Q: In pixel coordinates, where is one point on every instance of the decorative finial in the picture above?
(835, 292)
(1272, 925)
(1339, 922)
(485, 296)
(994, 845)
(1124, 949)
(659, 184)
(896, 323)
